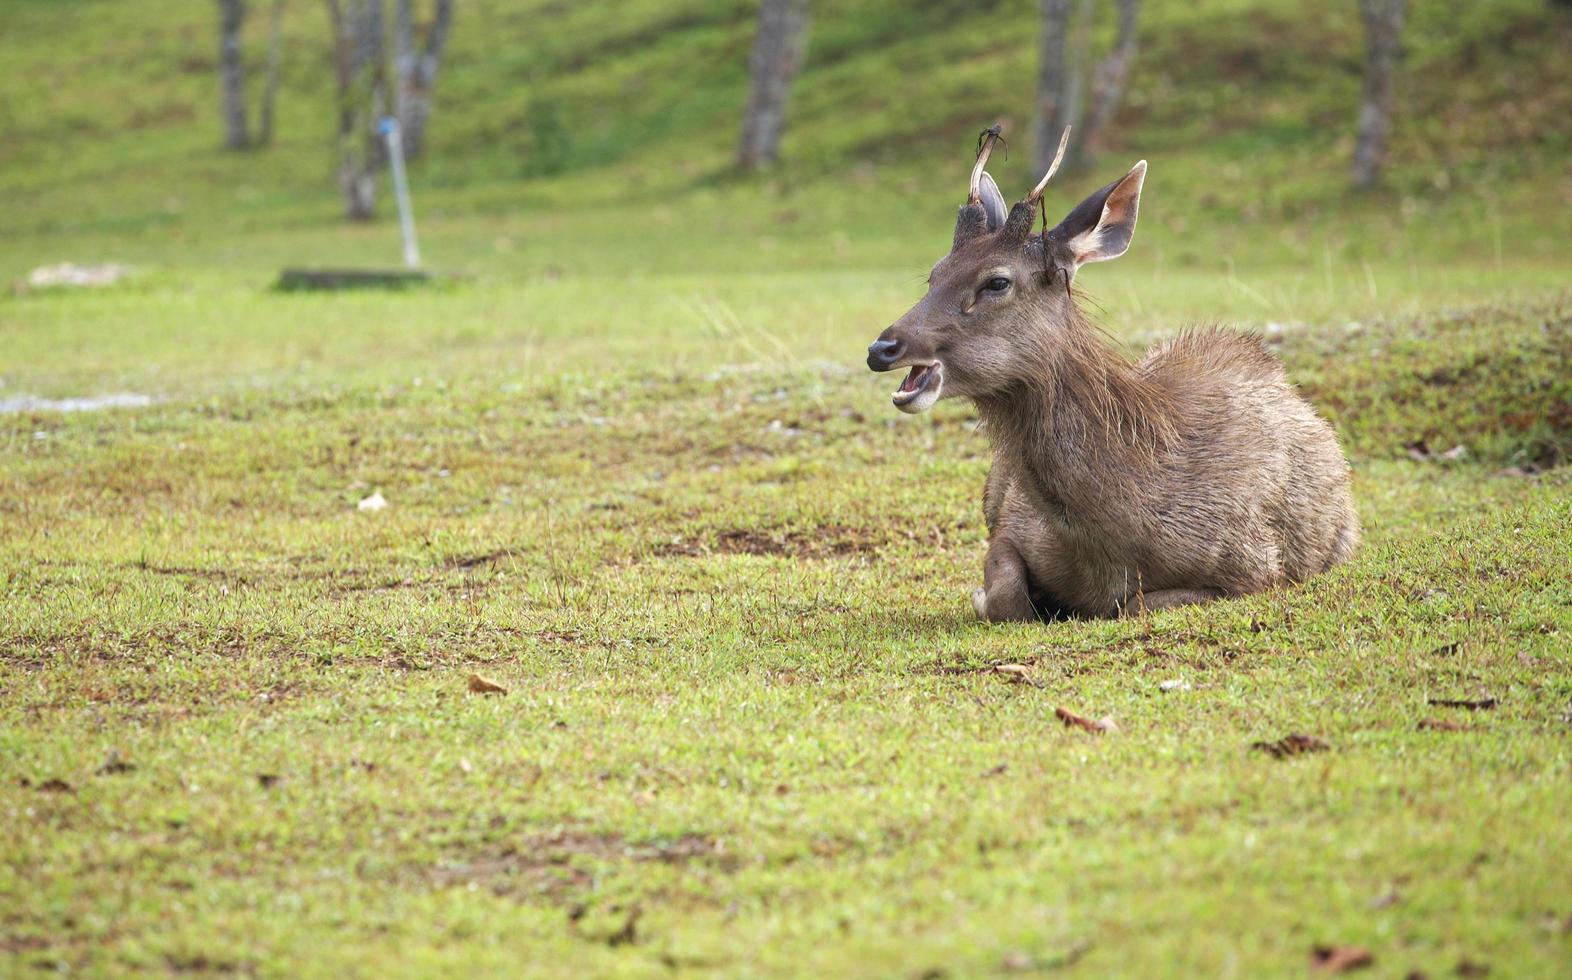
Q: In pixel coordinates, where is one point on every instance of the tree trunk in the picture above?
(1383, 50)
(1108, 86)
(358, 61)
(777, 54)
(232, 73)
(1057, 83)
(275, 48)
(417, 72)
(1080, 48)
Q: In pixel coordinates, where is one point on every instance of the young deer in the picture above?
(1197, 473)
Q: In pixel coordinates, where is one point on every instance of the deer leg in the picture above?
(1006, 594)
(1169, 599)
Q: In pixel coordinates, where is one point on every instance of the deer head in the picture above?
(999, 302)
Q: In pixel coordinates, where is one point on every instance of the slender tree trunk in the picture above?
(1108, 86)
(1383, 50)
(1057, 87)
(275, 48)
(232, 73)
(1075, 58)
(417, 71)
(358, 61)
(777, 54)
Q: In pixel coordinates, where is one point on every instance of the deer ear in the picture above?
(992, 201)
(1100, 227)
(980, 217)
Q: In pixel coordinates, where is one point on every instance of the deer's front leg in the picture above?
(1006, 595)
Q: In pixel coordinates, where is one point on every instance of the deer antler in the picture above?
(985, 141)
(1053, 168)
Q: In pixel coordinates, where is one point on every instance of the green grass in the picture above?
(637, 474)
(728, 594)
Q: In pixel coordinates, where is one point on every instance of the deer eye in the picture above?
(997, 284)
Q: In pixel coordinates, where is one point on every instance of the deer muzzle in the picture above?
(923, 382)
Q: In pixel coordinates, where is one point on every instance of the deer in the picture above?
(1116, 487)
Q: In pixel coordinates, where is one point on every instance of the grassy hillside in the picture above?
(637, 473)
(1244, 108)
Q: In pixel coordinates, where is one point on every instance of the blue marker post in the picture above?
(388, 127)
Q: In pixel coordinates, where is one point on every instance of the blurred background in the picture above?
(163, 123)
(1307, 161)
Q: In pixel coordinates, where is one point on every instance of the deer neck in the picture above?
(1081, 428)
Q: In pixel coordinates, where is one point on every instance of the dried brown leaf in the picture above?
(1098, 727)
(1420, 452)
(1289, 745)
(1017, 673)
(1340, 959)
(481, 685)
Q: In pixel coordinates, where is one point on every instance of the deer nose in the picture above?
(882, 354)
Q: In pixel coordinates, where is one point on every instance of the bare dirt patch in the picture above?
(557, 865)
(824, 541)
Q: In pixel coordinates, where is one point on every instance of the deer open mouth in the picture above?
(920, 389)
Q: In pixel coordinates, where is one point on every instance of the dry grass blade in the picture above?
(481, 685)
(628, 932)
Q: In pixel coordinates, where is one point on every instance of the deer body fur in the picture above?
(1196, 473)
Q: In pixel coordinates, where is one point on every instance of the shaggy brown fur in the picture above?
(1197, 473)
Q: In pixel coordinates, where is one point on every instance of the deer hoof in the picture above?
(980, 604)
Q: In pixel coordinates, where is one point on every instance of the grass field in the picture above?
(637, 474)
